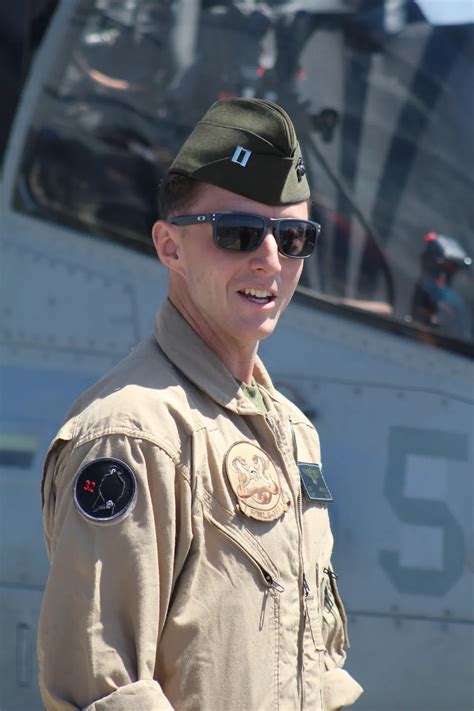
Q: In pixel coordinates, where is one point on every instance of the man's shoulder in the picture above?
(296, 415)
(138, 398)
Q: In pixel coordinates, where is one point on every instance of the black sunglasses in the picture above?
(242, 232)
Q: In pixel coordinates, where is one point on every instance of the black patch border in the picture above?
(123, 512)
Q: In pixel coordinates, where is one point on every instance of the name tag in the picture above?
(312, 483)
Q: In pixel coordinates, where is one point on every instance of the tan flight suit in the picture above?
(185, 601)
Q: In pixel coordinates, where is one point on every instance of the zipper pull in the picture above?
(273, 583)
(330, 573)
(306, 589)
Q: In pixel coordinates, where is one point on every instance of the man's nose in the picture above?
(267, 257)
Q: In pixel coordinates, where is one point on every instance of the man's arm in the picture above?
(111, 582)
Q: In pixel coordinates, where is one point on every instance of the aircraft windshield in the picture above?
(382, 102)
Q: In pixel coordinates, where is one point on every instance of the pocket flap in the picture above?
(234, 528)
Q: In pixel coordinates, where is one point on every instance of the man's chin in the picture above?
(262, 331)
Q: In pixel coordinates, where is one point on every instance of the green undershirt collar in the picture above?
(252, 393)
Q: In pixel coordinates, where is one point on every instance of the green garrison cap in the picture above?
(247, 146)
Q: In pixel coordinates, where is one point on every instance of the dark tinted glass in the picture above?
(241, 233)
(244, 233)
(296, 238)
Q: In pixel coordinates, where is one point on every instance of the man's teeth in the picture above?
(257, 293)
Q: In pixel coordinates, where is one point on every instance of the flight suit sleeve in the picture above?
(111, 581)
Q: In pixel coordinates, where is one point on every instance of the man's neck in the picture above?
(238, 359)
(241, 367)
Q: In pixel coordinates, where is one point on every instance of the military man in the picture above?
(185, 511)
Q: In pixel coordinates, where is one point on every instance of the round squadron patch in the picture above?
(105, 489)
(255, 481)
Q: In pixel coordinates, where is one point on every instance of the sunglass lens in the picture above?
(297, 238)
(239, 233)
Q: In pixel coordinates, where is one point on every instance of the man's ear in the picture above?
(165, 239)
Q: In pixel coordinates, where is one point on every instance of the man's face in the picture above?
(221, 292)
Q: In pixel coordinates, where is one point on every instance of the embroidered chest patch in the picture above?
(105, 489)
(255, 481)
(313, 484)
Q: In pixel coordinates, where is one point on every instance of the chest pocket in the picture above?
(249, 594)
(242, 542)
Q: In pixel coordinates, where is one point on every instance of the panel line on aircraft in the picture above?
(408, 616)
(366, 384)
(22, 586)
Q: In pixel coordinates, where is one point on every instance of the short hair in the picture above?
(177, 193)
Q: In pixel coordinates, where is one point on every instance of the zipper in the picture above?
(268, 580)
(295, 446)
(333, 598)
(305, 586)
(299, 506)
(271, 582)
(299, 522)
(327, 597)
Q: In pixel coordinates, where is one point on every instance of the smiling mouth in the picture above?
(257, 296)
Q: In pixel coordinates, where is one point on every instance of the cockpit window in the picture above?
(381, 99)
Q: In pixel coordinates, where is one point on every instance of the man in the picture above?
(184, 507)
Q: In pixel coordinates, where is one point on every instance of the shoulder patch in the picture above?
(105, 489)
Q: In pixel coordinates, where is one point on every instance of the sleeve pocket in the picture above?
(334, 619)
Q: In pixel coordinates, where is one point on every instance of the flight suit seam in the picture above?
(276, 622)
(302, 423)
(132, 432)
(290, 468)
(181, 468)
(206, 497)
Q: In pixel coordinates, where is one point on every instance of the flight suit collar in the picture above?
(190, 354)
